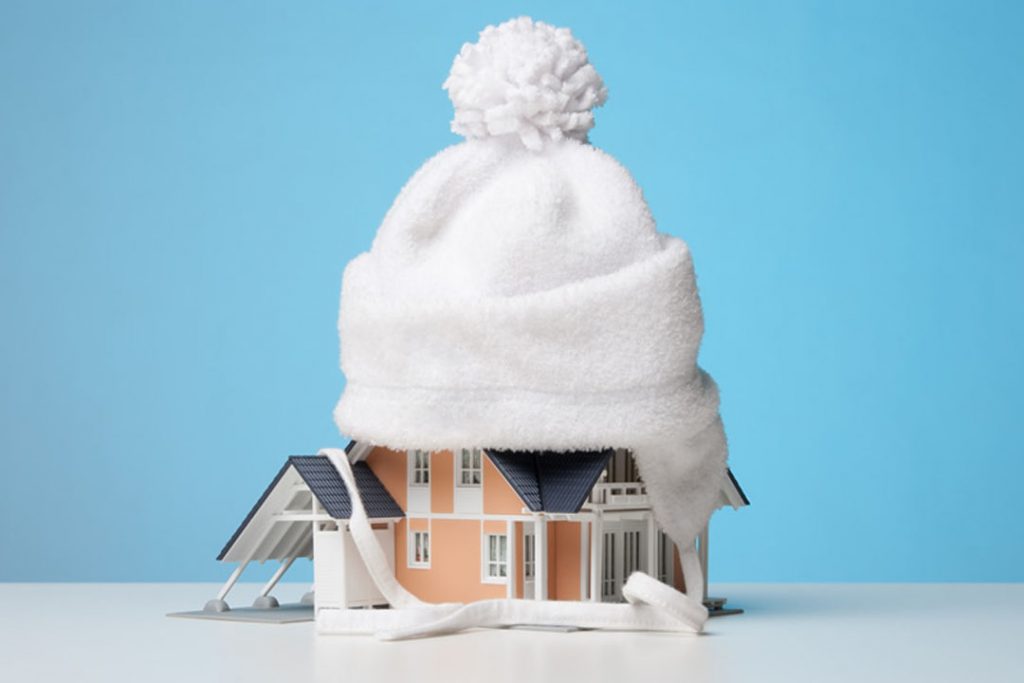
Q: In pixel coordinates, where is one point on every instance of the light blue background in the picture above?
(181, 184)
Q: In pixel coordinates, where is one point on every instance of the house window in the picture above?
(419, 549)
(419, 463)
(622, 469)
(630, 472)
(469, 470)
(608, 585)
(495, 558)
(630, 552)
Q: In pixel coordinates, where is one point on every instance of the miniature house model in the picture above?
(464, 526)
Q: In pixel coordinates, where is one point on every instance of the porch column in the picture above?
(510, 586)
(540, 551)
(596, 557)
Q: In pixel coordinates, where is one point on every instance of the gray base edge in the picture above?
(285, 614)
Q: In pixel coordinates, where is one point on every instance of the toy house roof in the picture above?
(551, 482)
(318, 475)
(737, 491)
(325, 483)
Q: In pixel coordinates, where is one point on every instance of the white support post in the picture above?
(343, 537)
(233, 579)
(652, 545)
(230, 583)
(540, 553)
(510, 586)
(265, 591)
(291, 556)
(596, 557)
(310, 596)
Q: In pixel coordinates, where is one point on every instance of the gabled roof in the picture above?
(325, 483)
(548, 481)
(317, 472)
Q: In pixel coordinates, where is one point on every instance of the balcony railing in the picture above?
(620, 494)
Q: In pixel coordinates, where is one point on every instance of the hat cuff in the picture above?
(604, 362)
(510, 418)
(635, 328)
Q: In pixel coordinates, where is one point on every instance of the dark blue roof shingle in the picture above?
(550, 481)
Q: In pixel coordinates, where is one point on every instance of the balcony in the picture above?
(619, 494)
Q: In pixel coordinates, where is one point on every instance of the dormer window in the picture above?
(470, 471)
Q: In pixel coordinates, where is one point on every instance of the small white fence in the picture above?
(619, 494)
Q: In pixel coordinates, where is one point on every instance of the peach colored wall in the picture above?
(442, 482)
(552, 560)
(586, 560)
(401, 546)
(392, 468)
(677, 571)
(564, 581)
(455, 571)
(455, 566)
(455, 560)
(499, 497)
(494, 526)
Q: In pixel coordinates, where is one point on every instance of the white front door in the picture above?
(624, 552)
(529, 563)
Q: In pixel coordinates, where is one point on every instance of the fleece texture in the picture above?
(527, 79)
(519, 296)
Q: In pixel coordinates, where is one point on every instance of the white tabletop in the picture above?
(821, 632)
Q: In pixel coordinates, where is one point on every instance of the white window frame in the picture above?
(419, 468)
(489, 563)
(421, 539)
(529, 557)
(476, 466)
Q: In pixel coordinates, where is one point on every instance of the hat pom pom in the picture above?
(524, 78)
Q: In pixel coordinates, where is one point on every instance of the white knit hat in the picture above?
(518, 294)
